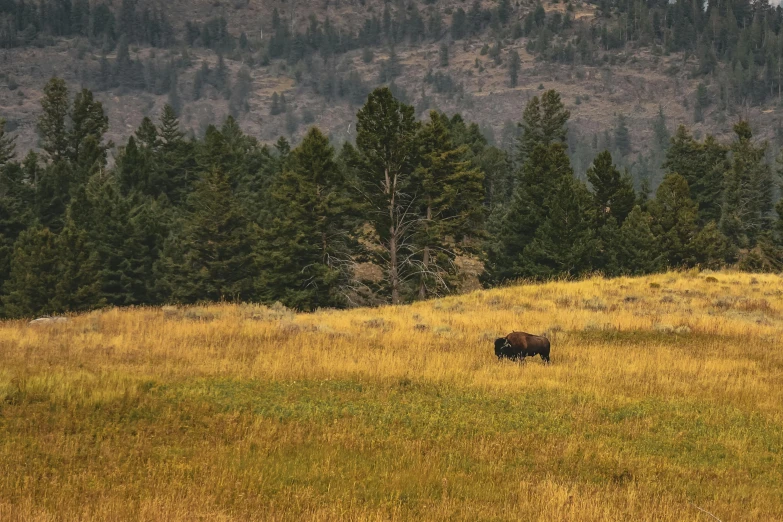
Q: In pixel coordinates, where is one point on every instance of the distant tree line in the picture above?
(739, 42)
(387, 219)
(25, 23)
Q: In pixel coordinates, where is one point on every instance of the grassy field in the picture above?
(664, 398)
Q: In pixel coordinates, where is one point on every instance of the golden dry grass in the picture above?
(665, 393)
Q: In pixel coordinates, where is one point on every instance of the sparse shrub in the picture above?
(444, 330)
(594, 304)
(308, 117)
(291, 328)
(723, 303)
(367, 55)
(494, 301)
(664, 328)
(377, 322)
(754, 305)
(555, 328)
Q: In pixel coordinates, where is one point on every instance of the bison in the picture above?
(518, 345)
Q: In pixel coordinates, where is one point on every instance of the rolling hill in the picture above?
(662, 402)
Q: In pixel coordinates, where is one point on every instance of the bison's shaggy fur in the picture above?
(518, 345)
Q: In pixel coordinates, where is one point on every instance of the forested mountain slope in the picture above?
(624, 69)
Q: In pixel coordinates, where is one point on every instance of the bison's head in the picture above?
(500, 345)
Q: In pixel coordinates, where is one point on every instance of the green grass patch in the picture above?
(246, 445)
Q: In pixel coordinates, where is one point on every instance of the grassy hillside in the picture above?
(664, 397)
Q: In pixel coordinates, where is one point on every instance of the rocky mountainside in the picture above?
(273, 93)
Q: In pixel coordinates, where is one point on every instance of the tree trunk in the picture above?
(422, 284)
(394, 276)
(425, 257)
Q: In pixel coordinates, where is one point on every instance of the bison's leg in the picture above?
(545, 357)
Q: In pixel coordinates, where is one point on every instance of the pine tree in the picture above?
(443, 55)
(748, 190)
(275, 109)
(130, 169)
(306, 254)
(240, 93)
(712, 248)
(88, 126)
(543, 122)
(541, 176)
(565, 243)
(33, 278)
(386, 132)
(636, 247)
(210, 256)
(622, 136)
(123, 64)
(119, 246)
(175, 160)
(514, 62)
(16, 204)
(613, 193)
(702, 102)
(291, 123)
(77, 288)
(7, 145)
(703, 166)
(674, 216)
(450, 195)
(147, 134)
(504, 11)
(459, 24)
(661, 132)
(174, 101)
(53, 194)
(52, 124)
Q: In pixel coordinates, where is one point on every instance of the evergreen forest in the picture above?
(386, 219)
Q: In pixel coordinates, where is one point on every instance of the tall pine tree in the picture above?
(386, 132)
(450, 195)
(613, 193)
(209, 255)
(674, 223)
(748, 190)
(702, 164)
(306, 254)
